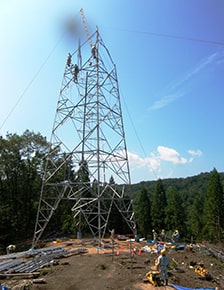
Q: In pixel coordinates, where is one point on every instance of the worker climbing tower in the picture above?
(87, 161)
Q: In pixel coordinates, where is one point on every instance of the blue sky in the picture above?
(170, 63)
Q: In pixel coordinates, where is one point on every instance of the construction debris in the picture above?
(215, 253)
(40, 281)
(33, 260)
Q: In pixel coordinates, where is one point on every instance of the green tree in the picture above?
(143, 213)
(83, 180)
(213, 209)
(20, 167)
(195, 218)
(111, 203)
(158, 212)
(175, 213)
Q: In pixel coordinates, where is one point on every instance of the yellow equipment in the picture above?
(200, 270)
(153, 277)
(163, 251)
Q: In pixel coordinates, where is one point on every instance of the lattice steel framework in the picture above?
(87, 145)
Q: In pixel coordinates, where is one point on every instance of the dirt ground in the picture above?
(125, 267)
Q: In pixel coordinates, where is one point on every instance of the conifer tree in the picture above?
(115, 221)
(159, 205)
(213, 209)
(175, 214)
(195, 219)
(143, 213)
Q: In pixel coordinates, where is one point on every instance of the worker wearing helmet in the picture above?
(155, 235)
(163, 235)
(163, 263)
(175, 236)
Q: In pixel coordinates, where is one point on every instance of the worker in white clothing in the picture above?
(10, 249)
(112, 232)
(163, 263)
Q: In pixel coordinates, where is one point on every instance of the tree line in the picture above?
(192, 205)
(196, 213)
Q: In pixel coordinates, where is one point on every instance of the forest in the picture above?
(193, 205)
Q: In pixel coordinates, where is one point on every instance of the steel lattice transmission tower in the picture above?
(88, 145)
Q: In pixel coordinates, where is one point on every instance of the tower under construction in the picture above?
(87, 161)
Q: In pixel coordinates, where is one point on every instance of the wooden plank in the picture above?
(20, 275)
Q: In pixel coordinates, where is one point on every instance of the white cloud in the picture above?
(195, 152)
(165, 101)
(198, 68)
(177, 88)
(135, 160)
(161, 162)
(153, 163)
(171, 155)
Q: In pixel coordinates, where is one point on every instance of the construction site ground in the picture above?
(122, 265)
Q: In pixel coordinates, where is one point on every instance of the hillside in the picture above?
(188, 185)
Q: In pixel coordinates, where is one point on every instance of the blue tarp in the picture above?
(180, 247)
(186, 288)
